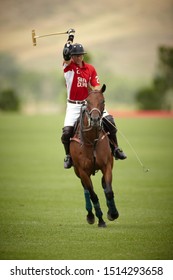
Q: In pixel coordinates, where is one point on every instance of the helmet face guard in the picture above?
(77, 49)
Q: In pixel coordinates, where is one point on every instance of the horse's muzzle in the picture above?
(95, 121)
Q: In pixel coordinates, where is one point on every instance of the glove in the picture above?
(68, 45)
(66, 51)
(71, 36)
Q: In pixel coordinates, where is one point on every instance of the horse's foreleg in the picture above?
(98, 210)
(112, 210)
(90, 195)
(88, 205)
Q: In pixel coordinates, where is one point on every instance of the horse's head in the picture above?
(95, 104)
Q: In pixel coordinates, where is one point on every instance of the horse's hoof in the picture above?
(112, 217)
(90, 219)
(102, 224)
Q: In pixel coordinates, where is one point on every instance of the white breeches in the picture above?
(73, 112)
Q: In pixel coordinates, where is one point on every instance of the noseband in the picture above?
(94, 109)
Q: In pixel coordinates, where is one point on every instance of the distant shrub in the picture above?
(158, 96)
(150, 98)
(9, 101)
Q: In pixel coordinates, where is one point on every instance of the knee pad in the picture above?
(67, 133)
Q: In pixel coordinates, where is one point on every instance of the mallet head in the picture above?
(34, 38)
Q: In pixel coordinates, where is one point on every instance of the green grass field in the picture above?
(42, 212)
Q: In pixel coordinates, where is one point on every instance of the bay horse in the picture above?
(90, 151)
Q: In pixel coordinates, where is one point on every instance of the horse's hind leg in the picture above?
(112, 210)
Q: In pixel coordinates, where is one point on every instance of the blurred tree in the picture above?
(88, 58)
(166, 65)
(29, 85)
(9, 71)
(158, 96)
(149, 98)
(9, 100)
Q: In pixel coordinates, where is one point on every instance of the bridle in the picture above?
(91, 124)
(90, 121)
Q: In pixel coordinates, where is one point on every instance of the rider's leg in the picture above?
(109, 126)
(67, 133)
(72, 113)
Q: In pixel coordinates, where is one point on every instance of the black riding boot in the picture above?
(65, 138)
(109, 126)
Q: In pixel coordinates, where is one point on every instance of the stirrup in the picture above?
(119, 154)
(68, 162)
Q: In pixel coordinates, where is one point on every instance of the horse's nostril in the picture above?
(95, 121)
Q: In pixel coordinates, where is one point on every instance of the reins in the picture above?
(88, 128)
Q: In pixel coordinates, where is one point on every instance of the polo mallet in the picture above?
(34, 36)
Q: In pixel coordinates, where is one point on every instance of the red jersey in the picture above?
(78, 79)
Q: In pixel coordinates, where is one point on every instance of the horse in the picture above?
(90, 151)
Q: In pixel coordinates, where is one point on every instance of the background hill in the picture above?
(122, 37)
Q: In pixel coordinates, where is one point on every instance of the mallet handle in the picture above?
(51, 34)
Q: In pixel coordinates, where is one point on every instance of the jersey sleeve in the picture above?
(94, 79)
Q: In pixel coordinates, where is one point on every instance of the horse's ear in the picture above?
(103, 88)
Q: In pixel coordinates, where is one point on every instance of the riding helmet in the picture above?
(77, 49)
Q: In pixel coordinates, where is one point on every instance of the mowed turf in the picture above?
(42, 211)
